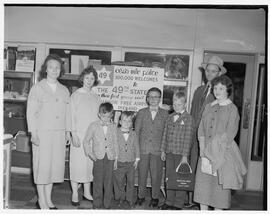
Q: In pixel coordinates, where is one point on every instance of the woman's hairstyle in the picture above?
(180, 94)
(105, 108)
(224, 80)
(90, 69)
(43, 73)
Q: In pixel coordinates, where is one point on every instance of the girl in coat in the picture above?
(220, 167)
(49, 124)
(84, 110)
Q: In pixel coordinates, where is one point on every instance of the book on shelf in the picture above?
(11, 58)
(25, 58)
(5, 58)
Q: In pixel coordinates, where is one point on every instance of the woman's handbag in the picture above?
(180, 179)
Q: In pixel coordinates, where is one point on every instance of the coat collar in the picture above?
(44, 85)
(223, 103)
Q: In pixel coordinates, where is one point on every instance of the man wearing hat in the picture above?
(213, 67)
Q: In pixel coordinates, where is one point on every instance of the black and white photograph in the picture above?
(135, 106)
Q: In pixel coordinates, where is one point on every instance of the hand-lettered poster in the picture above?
(126, 86)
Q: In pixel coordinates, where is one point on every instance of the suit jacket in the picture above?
(99, 143)
(196, 107)
(48, 110)
(150, 131)
(128, 149)
(178, 135)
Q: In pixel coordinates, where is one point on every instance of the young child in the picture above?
(149, 126)
(175, 147)
(100, 144)
(128, 158)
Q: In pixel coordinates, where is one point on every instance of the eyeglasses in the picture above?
(154, 97)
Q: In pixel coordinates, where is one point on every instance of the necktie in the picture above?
(204, 95)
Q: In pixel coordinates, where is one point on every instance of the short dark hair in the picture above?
(127, 114)
(88, 70)
(153, 89)
(224, 80)
(105, 108)
(180, 94)
(43, 73)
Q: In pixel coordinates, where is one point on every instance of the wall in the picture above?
(192, 29)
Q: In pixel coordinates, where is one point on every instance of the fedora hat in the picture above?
(215, 60)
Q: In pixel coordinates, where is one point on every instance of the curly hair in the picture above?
(224, 80)
(90, 69)
(43, 70)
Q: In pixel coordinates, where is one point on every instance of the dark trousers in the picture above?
(174, 197)
(154, 164)
(124, 175)
(194, 155)
(102, 173)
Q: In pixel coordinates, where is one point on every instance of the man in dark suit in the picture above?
(203, 95)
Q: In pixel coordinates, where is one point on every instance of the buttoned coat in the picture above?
(48, 115)
(150, 131)
(128, 149)
(48, 110)
(99, 143)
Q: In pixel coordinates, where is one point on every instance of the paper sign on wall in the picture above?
(126, 86)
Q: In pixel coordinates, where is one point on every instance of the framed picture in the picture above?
(175, 63)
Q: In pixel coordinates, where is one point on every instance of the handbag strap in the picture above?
(177, 168)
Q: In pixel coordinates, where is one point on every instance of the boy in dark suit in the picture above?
(149, 126)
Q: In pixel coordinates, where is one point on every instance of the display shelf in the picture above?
(15, 101)
(18, 74)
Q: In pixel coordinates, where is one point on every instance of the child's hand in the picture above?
(163, 156)
(75, 140)
(136, 163)
(35, 139)
(115, 165)
(184, 159)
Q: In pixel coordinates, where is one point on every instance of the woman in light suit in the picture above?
(84, 110)
(48, 110)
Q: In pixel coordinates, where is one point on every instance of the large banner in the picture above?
(126, 86)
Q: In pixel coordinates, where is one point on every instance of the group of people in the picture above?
(108, 154)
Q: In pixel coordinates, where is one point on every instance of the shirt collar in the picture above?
(153, 109)
(223, 103)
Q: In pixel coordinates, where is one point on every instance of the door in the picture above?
(241, 68)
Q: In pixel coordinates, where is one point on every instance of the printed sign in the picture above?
(126, 86)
